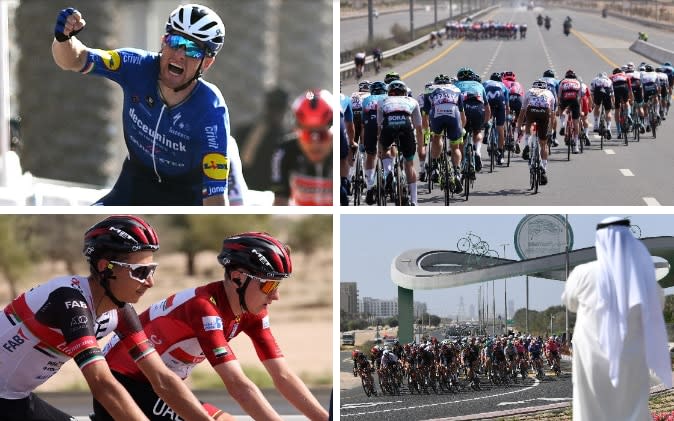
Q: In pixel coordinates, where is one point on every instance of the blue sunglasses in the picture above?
(192, 49)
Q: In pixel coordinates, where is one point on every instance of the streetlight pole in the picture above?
(566, 310)
(411, 20)
(370, 22)
(505, 295)
(552, 317)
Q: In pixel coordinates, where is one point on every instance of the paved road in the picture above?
(617, 175)
(79, 403)
(354, 405)
(353, 32)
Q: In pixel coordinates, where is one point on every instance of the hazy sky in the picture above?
(369, 243)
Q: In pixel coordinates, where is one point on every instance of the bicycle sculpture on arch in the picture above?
(476, 247)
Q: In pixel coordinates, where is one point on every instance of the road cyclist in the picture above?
(498, 97)
(378, 90)
(569, 94)
(476, 108)
(601, 89)
(398, 115)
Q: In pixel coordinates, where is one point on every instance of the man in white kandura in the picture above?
(619, 306)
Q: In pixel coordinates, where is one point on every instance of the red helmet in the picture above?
(355, 353)
(119, 234)
(509, 76)
(257, 252)
(313, 109)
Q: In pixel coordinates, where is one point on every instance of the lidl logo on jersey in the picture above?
(111, 60)
(212, 323)
(216, 166)
(16, 341)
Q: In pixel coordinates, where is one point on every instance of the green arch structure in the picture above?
(420, 269)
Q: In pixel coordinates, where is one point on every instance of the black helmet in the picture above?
(378, 88)
(617, 70)
(397, 85)
(364, 86)
(570, 74)
(549, 73)
(119, 234)
(649, 68)
(465, 73)
(441, 79)
(257, 252)
(391, 76)
(476, 78)
(495, 76)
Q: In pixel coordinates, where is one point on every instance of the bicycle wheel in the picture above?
(653, 122)
(381, 196)
(492, 149)
(445, 174)
(467, 171)
(429, 170)
(463, 244)
(509, 143)
(367, 387)
(568, 138)
(358, 180)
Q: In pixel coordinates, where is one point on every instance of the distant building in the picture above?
(348, 297)
(380, 308)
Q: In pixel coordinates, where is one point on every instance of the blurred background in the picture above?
(37, 248)
(70, 127)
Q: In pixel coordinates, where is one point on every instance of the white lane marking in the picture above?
(545, 49)
(651, 201)
(534, 399)
(536, 383)
(485, 75)
(366, 404)
(609, 151)
(626, 172)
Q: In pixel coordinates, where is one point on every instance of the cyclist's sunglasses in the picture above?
(137, 271)
(267, 286)
(315, 135)
(192, 49)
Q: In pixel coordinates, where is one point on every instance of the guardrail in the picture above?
(350, 66)
(654, 52)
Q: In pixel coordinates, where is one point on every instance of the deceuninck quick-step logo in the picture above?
(211, 323)
(160, 138)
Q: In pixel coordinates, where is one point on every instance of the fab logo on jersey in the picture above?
(216, 166)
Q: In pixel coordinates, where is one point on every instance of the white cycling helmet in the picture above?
(198, 22)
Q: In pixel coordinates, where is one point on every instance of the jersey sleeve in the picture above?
(67, 310)
(214, 157)
(115, 64)
(237, 188)
(258, 329)
(131, 334)
(208, 327)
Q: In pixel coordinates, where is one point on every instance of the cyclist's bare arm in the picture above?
(168, 386)
(245, 392)
(294, 390)
(71, 54)
(110, 393)
(217, 200)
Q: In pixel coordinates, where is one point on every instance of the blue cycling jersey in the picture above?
(345, 104)
(497, 93)
(178, 154)
(471, 89)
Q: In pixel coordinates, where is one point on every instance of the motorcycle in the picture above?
(567, 28)
(547, 23)
(539, 19)
(604, 13)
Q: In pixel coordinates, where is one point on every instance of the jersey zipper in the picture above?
(154, 141)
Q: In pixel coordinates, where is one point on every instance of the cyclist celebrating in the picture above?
(538, 105)
(198, 324)
(569, 94)
(398, 114)
(63, 318)
(302, 164)
(175, 124)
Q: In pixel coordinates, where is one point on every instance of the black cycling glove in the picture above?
(60, 25)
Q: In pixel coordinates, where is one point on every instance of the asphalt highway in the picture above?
(617, 175)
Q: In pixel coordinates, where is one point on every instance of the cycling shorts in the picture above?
(603, 98)
(515, 104)
(408, 144)
(638, 94)
(474, 110)
(540, 116)
(498, 110)
(573, 104)
(370, 138)
(357, 122)
(452, 124)
(148, 401)
(359, 61)
(137, 185)
(30, 408)
(621, 94)
(650, 90)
